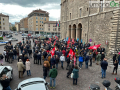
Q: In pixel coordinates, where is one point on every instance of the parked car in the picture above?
(24, 36)
(16, 33)
(20, 32)
(9, 36)
(12, 39)
(6, 70)
(36, 36)
(33, 84)
(2, 42)
(10, 32)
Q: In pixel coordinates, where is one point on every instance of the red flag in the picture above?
(94, 47)
(53, 51)
(50, 39)
(54, 42)
(68, 42)
(71, 53)
(74, 60)
(73, 41)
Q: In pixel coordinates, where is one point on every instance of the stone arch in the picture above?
(73, 34)
(79, 31)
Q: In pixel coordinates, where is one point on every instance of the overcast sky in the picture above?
(18, 9)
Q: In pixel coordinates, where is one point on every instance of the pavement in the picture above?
(92, 75)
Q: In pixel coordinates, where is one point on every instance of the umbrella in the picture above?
(94, 47)
(29, 34)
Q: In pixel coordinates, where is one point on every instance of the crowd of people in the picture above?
(43, 54)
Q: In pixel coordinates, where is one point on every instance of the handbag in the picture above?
(71, 75)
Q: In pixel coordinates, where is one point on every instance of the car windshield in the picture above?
(1, 41)
(5, 71)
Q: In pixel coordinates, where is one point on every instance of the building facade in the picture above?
(36, 20)
(79, 20)
(52, 28)
(24, 25)
(17, 25)
(4, 23)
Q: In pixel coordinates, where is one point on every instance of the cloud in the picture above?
(17, 12)
(29, 3)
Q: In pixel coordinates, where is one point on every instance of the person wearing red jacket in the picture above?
(63, 51)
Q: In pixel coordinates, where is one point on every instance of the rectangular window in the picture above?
(48, 29)
(36, 28)
(49, 25)
(42, 21)
(3, 28)
(36, 21)
(40, 17)
(45, 19)
(36, 17)
(40, 28)
(3, 19)
(80, 12)
(3, 23)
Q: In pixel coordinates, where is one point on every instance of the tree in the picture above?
(13, 28)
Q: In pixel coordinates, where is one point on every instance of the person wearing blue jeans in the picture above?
(53, 74)
(62, 59)
(104, 65)
(86, 60)
(28, 73)
(80, 61)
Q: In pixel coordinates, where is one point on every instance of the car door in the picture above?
(7, 72)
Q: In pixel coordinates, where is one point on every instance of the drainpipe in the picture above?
(88, 22)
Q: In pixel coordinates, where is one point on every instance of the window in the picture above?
(3, 28)
(36, 17)
(3, 19)
(3, 23)
(40, 25)
(49, 25)
(40, 21)
(70, 15)
(36, 28)
(80, 12)
(36, 21)
(40, 17)
(40, 28)
(48, 29)
(45, 19)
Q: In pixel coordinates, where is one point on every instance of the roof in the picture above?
(39, 11)
(50, 22)
(3, 15)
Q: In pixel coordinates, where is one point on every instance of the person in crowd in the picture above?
(4, 54)
(35, 57)
(14, 53)
(98, 58)
(39, 58)
(115, 67)
(80, 61)
(90, 58)
(52, 61)
(102, 56)
(94, 56)
(30, 52)
(62, 59)
(1, 59)
(68, 62)
(56, 61)
(75, 75)
(10, 56)
(5, 82)
(86, 60)
(104, 65)
(118, 58)
(25, 58)
(71, 66)
(53, 74)
(27, 63)
(45, 69)
(114, 58)
(21, 67)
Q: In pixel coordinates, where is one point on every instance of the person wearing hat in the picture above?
(28, 67)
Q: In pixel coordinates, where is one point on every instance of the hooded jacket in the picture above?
(53, 73)
(75, 73)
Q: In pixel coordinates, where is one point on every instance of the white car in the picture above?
(6, 70)
(24, 36)
(33, 84)
(20, 32)
(2, 42)
(12, 39)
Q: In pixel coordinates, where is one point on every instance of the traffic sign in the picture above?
(90, 40)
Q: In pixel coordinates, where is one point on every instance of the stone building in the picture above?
(4, 23)
(24, 25)
(50, 28)
(36, 20)
(101, 24)
(17, 25)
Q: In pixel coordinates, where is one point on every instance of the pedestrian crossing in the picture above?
(110, 63)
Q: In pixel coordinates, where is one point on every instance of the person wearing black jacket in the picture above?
(39, 58)
(5, 82)
(114, 58)
(1, 59)
(30, 52)
(115, 67)
(10, 56)
(14, 53)
(24, 59)
(102, 56)
(71, 66)
(57, 61)
(35, 57)
(68, 62)
(20, 57)
(21, 48)
(45, 69)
